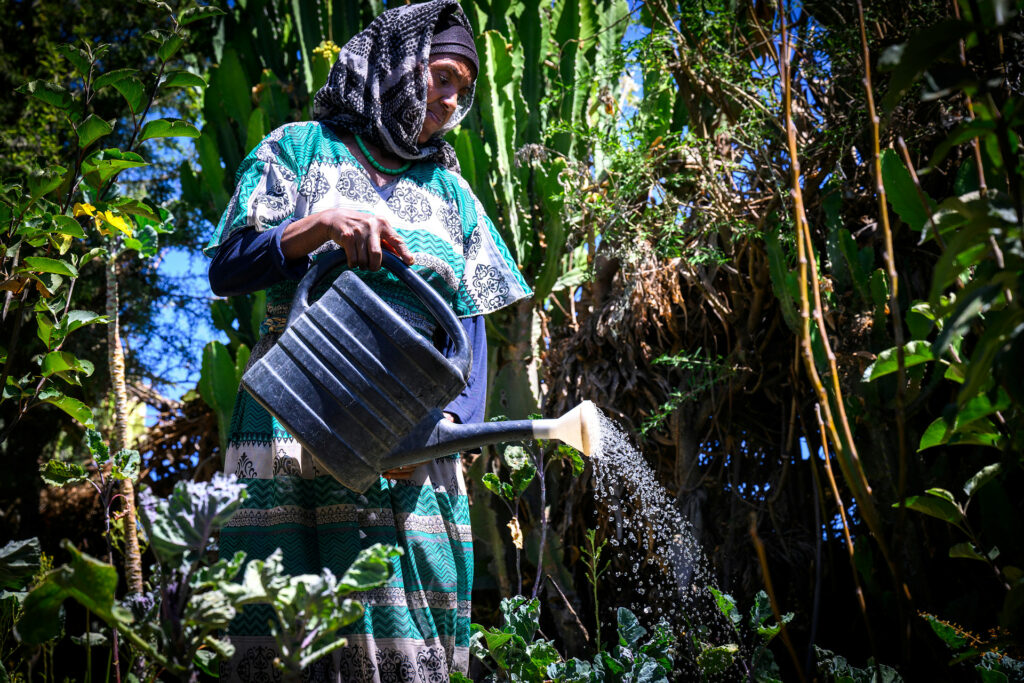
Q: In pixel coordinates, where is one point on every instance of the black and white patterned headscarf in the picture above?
(378, 86)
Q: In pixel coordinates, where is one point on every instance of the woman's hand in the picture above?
(362, 235)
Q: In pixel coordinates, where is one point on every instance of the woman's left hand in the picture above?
(406, 472)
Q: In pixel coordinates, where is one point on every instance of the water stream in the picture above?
(659, 569)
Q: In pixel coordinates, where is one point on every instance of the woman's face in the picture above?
(448, 78)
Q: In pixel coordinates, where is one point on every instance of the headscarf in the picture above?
(378, 86)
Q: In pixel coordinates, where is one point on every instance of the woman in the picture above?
(371, 172)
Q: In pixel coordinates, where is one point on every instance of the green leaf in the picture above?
(903, 194)
(65, 365)
(372, 568)
(111, 77)
(45, 264)
(132, 90)
(982, 477)
(908, 61)
(62, 473)
(42, 181)
(91, 130)
(182, 79)
(715, 660)
(66, 225)
(492, 483)
(99, 166)
(170, 47)
(966, 551)
(181, 526)
(127, 463)
(218, 384)
(726, 605)
(914, 353)
(97, 446)
(19, 560)
(74, 408)
(168, 128)
(78, 58)
(92, 583)
(952, 637)
(198, 13)
(52, 93)
(936, 505)
(257, 128)
(630, 630)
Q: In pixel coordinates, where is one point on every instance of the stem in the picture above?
(543, 524)
(119, 436)
(897, 318)
(849, 461)
(762, 557)
(846, 531)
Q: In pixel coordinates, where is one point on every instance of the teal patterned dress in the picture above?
(416, 628)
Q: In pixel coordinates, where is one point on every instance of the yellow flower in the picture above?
(84, 210)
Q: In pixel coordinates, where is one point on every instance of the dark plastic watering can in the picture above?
(363, 392)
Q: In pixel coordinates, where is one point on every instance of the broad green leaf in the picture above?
(170, 47)
(136, 207)
(44, 328)
(966, 551)
(99, 166)
(218, 384)
(935, 506)
(183, 524)
(715, 660)
(492, 483)
(78, 58)
(92, 583)
(74, 408)
(126, 464)
(62, 473)
(913, 207)
(182, 79)
(982, 477)
(19, 560)
(45, 264)
(97, 446)
(76, 319)
(937, 433)
(630, 630)
(111, 77)
(726, 605)
(168, 128)
(257, 128)
(198, 13)
(145, 240)
(42, 181)
(91, 130)
(52, 93)
(952, 637)
(372, 568)
(57, 362)
(132, 90)
(914, 353)
(908, 61)
(66, 225)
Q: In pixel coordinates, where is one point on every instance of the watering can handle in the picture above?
(462, 358)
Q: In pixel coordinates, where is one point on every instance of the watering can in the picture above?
(363, 392)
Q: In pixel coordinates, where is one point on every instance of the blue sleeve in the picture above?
(248, 261)
(471, 404)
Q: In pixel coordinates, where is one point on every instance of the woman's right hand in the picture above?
(362, 235)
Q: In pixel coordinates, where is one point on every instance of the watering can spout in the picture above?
(436, 436)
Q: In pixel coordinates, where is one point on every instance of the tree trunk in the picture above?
(119, 435)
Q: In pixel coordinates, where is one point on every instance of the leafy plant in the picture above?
(759, 665)
(175, 625)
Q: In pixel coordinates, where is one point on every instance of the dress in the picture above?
(416, 628)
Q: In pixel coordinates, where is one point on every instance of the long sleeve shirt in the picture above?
(248, 261)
